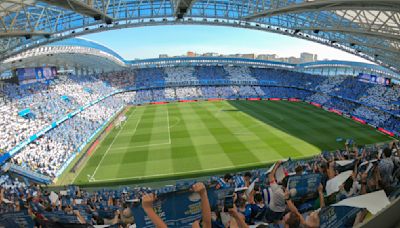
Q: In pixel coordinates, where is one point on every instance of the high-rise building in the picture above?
(271, 57)
(293, 60)
(306, 57)
(191, 54)
(247, 56)
(211, 54)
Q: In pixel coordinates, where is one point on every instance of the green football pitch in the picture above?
(187, 139)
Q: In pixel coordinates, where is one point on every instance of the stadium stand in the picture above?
(45, 127)
(345, 94)
(103, 95)
(289, 193)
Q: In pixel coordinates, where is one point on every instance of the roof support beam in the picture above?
(26, 34)
(81, 8)
(181, 7)
(326, 5)
(354, 31)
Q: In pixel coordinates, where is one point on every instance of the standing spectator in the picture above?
(386, 167)
(275, 196)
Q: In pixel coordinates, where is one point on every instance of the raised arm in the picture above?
(292, 208)
(147, 204)
(321, 196)
(271, 175)
(80, 218)
(355, 150)
(239, 218)
(364, 183)
(205, 204)
(1, 195)
(331, 170)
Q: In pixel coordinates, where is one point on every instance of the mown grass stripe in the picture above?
(183, 154)
(259, 111)
(206, 139)
(209, 151)
(233, 148)
(254, 133)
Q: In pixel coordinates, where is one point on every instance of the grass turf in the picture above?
(184, 139)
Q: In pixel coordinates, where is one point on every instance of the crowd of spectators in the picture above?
(237, 73)
(261, 198)
(176, 74)
(46, 103)
(49, 153)
(50, 101)
(328, 89)
(382, 97)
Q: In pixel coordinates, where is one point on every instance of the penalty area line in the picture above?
(73, 181)
(153, 144)
(116, 136)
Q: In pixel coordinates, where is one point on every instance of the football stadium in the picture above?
(90, 138)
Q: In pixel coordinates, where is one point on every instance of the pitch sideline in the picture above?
(116, 136)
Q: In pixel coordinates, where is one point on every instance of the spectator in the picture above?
(276, 199)
(148, 199)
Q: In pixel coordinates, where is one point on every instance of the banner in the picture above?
(159, 102)
(373, 202)
(179, 209)
(344, 165)
(187, 101)
(337, 216)
(215, 99)
(370, 78)
(304, 186)
(316, 104)
(16, 219)
(61, 218)
(34, 75)
(333, 184)
(358, 120)
(335, 111)
(386, 131)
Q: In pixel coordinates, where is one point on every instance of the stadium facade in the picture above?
(369, 30)
(84, 57)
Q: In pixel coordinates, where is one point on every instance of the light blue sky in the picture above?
(149, 42)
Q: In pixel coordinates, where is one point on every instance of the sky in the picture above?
(150, 41)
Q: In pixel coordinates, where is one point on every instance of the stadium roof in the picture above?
(81, 42)
(367, 28)
(354, 65)
(75, 52)
(86, 54)
(327, 67)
